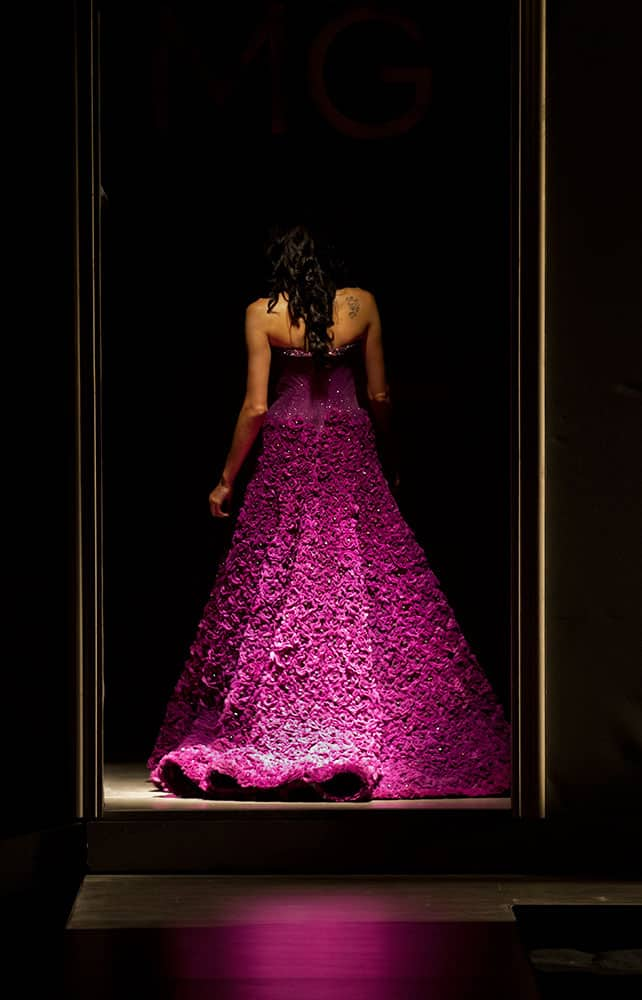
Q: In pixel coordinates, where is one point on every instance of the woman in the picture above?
(328, 662)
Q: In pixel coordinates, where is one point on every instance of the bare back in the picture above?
(356, 318)
(352, 312)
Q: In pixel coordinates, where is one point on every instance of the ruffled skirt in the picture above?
(327, 662)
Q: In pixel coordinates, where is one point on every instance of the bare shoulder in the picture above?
(255, 310)
(356, 300)
(257, 317)
(352, 292)
(259, 311)
(257, 324)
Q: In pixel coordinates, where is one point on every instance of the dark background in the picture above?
(594, 388)
(212, 130)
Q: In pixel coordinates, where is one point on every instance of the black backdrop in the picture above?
(214, 125)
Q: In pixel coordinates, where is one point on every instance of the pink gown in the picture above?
(328, 663)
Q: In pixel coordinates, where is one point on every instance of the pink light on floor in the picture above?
(313, 945)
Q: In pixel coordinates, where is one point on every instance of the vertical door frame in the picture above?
(88, 578)
(527, 449)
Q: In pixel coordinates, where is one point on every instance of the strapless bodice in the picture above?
(297, 352)
(305, 391)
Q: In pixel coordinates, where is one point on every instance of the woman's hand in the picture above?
(221, 495)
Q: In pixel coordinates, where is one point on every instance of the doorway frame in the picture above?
(527, 454)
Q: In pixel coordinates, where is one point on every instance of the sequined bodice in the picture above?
(298, 352)
(306, 392)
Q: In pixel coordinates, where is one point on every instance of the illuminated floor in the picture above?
(445, 936)
(108, 901)
(127, 788)
(353, 938)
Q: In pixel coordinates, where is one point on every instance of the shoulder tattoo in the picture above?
(353, 305)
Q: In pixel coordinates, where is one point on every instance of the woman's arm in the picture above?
(253, 409)
(379, 394)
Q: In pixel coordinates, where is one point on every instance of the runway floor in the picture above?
(355, 938)
(315, 937)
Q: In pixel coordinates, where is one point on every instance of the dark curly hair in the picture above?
(306, 268)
